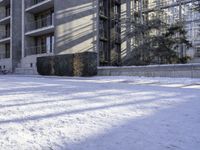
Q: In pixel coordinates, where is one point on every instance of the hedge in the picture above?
(79, 64)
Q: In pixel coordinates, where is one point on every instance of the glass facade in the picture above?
(109, 32)
(111, 25)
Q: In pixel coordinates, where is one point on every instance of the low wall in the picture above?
(6, 64)
(174, 71)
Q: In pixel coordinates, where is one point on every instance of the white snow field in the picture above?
(99, 113)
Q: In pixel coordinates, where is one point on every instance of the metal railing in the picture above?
(33, 50)
(165, 3)
(197, 53)
(3, 14)
(41, 23)
(3, 56)
(30, 3)
(4, 34)
(41, 49)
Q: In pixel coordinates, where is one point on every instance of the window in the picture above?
(44, 44)
(7, 50)
(7, 10)
(7, 34)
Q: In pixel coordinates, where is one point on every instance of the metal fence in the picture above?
(4, 34)
(40, 23)
(33, 50)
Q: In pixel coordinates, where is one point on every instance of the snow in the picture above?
(99, 113)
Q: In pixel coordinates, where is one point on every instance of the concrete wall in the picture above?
(187, 70)
(75, 26)
(7, 63)
(28, 60)
(16, 33)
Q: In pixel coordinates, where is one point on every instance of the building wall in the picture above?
(75, 26)
(5, 63)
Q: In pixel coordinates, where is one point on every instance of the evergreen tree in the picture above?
(156, 42)
(197, 7)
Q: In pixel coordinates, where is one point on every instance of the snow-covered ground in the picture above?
(99, 113)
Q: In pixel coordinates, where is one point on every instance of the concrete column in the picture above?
(128, 26)
(16, 32)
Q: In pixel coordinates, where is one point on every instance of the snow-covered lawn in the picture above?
(99, 113)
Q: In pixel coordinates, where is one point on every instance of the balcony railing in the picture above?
(41, 49)
(41, 23)
(198, 53)
(166, 3)
(30, 3)
(3, 56)
(4, 14)
(4, 35)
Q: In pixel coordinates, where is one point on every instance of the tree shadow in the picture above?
(168, 118)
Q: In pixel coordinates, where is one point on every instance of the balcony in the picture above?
(4, 2)
(3, 56)
(197, 53)
(164, 4)
(4, 19)
(5, 14)
(40, 27)
(4, 37)
(37, 50)
(36, 6)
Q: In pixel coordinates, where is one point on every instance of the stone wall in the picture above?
(174, 71)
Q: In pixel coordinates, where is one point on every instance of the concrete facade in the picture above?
(10, 25)
(75, 26)
(72, 27)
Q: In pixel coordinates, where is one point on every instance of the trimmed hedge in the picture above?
(80, 64)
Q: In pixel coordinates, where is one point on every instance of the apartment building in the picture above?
(38, 30)
(109, 32)
(55, 27)
(10, 34)
(35, 28)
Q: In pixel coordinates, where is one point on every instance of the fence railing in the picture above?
(40, 23)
